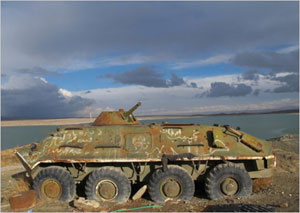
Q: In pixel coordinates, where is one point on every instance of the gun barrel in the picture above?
(132, 109)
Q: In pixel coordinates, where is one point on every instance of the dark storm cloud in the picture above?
(165, 31)
(219, 89)
(27, 97)
(291, 84)
(250, 75)
(200, 95)
(175, 80)
(256, 92)
(193, 85)
(146, 76)
(273, 61)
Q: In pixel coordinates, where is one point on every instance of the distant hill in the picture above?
(229, 113)
(254, 112)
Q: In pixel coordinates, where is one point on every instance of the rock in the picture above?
(284, 205)
(23, 201)
(139, 193)
(82, 203)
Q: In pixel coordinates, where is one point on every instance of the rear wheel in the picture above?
(108, 184)
(228, 180)
(55, 183)
(175, 184)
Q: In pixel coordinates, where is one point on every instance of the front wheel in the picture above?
(56, 183)
(175, 184)
(228, 180)
(108, 184)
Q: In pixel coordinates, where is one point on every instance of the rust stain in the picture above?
(119, 137)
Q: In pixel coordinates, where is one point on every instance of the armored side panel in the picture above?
(117, 144)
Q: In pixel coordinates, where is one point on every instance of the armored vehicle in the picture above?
(116, 151)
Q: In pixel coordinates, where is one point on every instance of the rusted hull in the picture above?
(128, 160)
(142, 143)
(172, 155)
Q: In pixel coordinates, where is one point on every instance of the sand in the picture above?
(74, 121)
(47, 122)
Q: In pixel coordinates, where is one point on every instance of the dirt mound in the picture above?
(286, 150)
(9, 158)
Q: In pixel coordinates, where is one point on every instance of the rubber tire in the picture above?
(110, 173)
(222, 171)
(62, 176)
(177, 172)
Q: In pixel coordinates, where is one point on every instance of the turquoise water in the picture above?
(263, 126)
(13, 136)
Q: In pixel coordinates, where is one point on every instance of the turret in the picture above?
(128, 115)
(117, 117)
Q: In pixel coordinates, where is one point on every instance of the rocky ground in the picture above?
(281, 192)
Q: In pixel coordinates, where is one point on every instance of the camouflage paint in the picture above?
(117, 137)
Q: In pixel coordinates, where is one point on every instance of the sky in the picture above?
(73, 59)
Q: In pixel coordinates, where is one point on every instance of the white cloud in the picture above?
(127, 60)
(24, 96)
(182, 99)
(283, 74)
(202, 62)
(264, 105)
(288, 49)
(22, 82)
(65, 92)
(264, 83)
(43, 80)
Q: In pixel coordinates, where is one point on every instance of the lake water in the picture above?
(263, 126)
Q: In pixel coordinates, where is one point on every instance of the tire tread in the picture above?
(111, 173)
(159, 175)
(214, 176)
(61, 175)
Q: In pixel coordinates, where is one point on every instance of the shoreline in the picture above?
(77, 121)
(47, 122)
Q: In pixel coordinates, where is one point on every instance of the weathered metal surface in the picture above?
(120, 117)
(117, 137)
(229, 186)
(261, 174)
(51, 188)
(171, 188)
(23, 201)
(106, 190)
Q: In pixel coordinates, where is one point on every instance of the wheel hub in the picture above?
(107, 190)
(229, 186)
(171, 188)
(51, 188)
